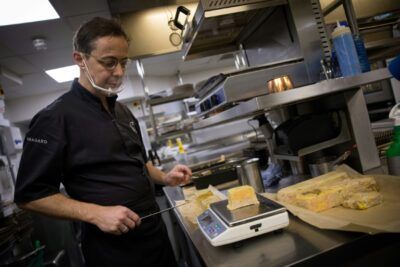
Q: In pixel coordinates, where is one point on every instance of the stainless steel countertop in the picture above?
(296, 243)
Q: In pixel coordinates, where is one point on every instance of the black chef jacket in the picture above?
(99, 158)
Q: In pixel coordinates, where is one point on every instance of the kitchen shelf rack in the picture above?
(169, 99)
(263, 103)
(343, 136)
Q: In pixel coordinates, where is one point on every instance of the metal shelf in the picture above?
(266, 102)
(133, 98)
(172, 134)
(343, 136)
(168, 99)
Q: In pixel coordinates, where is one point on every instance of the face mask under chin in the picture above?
(109, 91)
(106, 91)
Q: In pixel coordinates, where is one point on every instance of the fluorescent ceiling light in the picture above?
(64, 74)
(23, 11)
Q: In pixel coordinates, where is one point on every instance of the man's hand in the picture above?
(180, 174)
(110, 219)
(115, 219)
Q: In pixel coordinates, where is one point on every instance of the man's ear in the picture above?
(78, 59)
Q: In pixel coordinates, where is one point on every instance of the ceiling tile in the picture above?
(18, 38)
(51, 59)
(77, 21)
(17, 65)
(34, 84)
(4, 52)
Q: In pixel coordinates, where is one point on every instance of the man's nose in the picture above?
(119, 70)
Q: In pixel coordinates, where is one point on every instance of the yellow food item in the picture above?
(364, 184)
(319, 200)
(197, 201)
(202, 193)
(205, 197)
(363, 200)
(289, 194)
(328, 191)
(241, 196)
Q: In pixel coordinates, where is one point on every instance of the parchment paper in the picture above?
(192, 209)
(378, 219)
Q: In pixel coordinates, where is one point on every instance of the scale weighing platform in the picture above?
(222, 226)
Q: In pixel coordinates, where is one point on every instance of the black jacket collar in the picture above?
(88, 96)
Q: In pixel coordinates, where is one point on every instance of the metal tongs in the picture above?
(164, 210)
(342, 157)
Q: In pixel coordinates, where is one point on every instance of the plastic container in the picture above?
(394, 67)
(393, 153)
(346, 51)
(335, 64)
(362, 53)
(326, 164)
(321, 166)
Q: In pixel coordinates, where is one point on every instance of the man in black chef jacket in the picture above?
(92, 144)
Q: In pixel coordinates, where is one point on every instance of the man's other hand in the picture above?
(179, 175)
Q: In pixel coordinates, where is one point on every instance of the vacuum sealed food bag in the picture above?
(330, 190)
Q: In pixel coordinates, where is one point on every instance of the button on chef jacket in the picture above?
(99, 157)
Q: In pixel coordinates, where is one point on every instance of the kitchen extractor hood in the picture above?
(286, 43)
(219, 26)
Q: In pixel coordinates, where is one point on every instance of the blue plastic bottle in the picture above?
(394, 67)
(362, 53)
(335, 64)
(346, 51)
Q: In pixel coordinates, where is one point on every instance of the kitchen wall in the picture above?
(23, 109)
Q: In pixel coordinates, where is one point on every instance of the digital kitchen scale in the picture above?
(222, 226)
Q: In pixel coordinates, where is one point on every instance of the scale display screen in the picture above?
(211, 225)
(206, 220)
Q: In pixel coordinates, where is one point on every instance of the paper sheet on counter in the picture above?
(378, 219)
(193, 209)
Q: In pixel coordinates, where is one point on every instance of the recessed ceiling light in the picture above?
(39, 43)
(23, 11)
(64, 74)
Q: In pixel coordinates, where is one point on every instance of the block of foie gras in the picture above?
(321, 194)
(241, 196)
(291, 193)
(355, 185)
(363, 200)
(320, 199)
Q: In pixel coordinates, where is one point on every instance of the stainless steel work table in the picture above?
(298, 244)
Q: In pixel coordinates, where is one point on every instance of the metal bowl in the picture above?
(280, 84)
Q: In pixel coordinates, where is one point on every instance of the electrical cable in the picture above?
(254, 128)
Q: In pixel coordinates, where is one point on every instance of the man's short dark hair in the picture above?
(96, 28)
